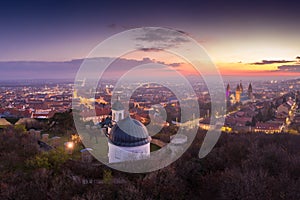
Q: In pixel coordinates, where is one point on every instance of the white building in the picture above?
(128, 139)
(117, 110)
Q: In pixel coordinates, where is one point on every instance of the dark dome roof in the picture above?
(129, 133)
(117, 105)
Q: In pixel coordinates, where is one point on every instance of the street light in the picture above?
(69, 146)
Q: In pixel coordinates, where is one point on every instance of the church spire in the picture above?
(241, 87)
(227, 90)
(250, 87)
(238, 88)
(238, 93)
(250, 93)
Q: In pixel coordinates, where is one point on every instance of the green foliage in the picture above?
(62, 123)
(241, 166)
(20, 128)
(265, 114)
(49, 160)
(107, 176)
(39, 161)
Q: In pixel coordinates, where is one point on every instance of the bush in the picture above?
(48, 160)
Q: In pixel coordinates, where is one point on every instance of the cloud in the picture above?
(183, 32)
(150, 49)
(39, 69)
(175, 64)
(289, 68)
(66, 69)
(168, 64)
(267, 62)
(161, 38)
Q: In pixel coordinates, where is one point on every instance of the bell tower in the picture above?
(117, 110)
(238, 93)
(227, 91)
(250, 93)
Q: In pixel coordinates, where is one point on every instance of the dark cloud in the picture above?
(183, 32)
(289, 68)
(67, 69)
(175, 64)
(169, 64)
(267, 62)
(150, 49)
(161, 38)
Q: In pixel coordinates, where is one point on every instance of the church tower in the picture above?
(250, 93)
(128, 140)
(227, 91)
(241, 87)
(117, 110)
(238, 93)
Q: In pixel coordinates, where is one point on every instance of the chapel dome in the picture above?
(129, 132)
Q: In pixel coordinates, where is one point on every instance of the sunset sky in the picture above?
(255, 38)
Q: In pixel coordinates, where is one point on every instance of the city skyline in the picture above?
(149, 100)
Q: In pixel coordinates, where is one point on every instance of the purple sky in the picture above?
(58, 31)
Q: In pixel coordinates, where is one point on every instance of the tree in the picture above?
(107, 176)
(48, 160)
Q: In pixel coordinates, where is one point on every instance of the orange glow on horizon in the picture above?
(230, 69)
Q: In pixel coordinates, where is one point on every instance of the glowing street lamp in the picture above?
(69, 147)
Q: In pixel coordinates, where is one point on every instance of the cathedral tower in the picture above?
(241, 87)
(238, 93)
(227, 91)
(250, 93)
